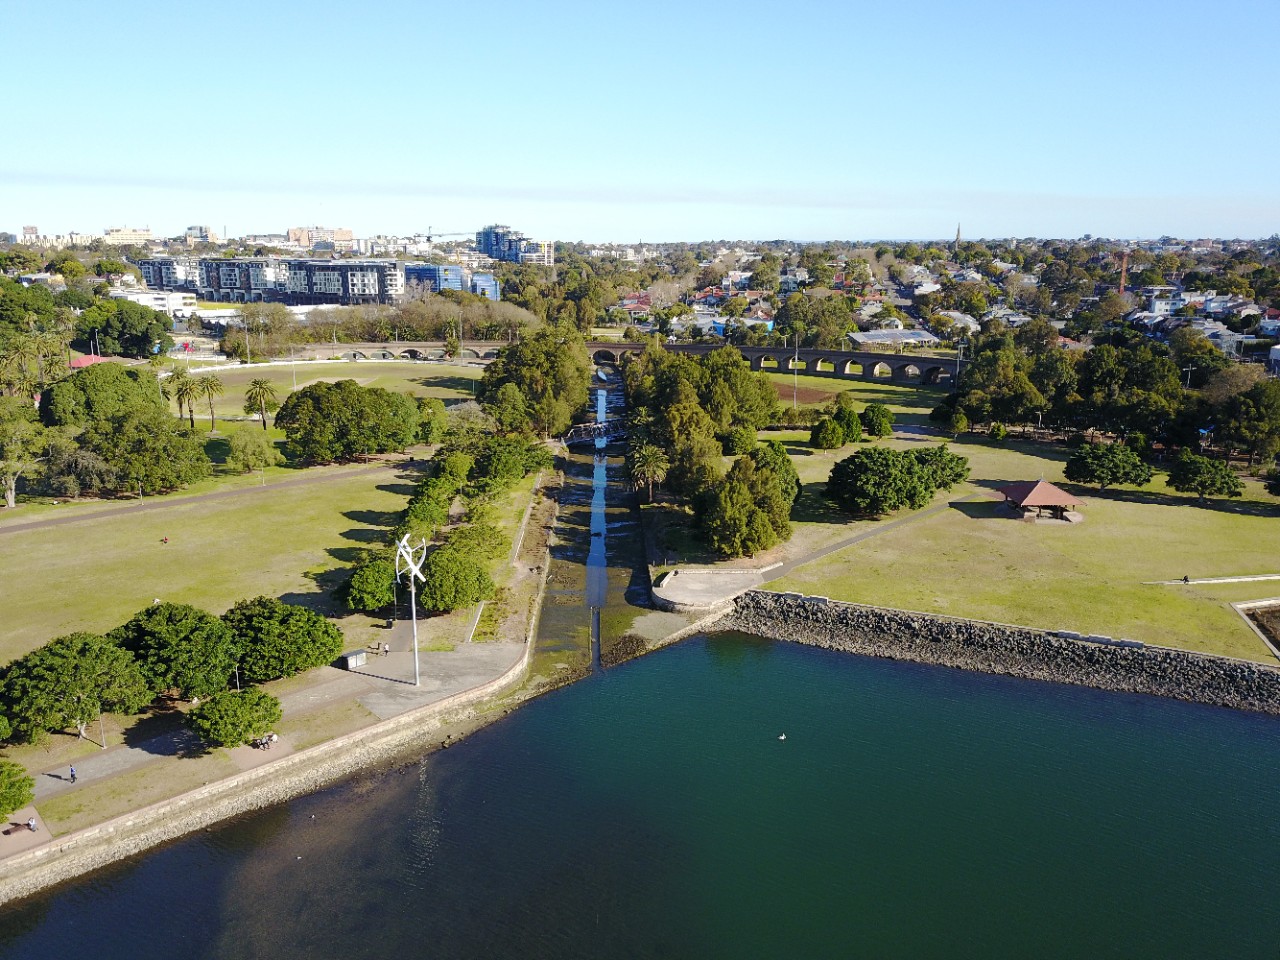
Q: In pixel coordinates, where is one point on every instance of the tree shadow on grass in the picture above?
(812, 506)
(364, 535)
(373, 518)
(978, 509)
(217, 449)
(400, 489)
(347, 554)
(162, 731)
(1244, 508)
(463, 385)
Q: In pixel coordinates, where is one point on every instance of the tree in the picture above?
(277, 639)
(372, 585)
(943, 468)
(1203, 477)
(180, 648)
(433, 419)
(210, 388)
(649, 466)
(739, 441)
(878, 480)
(734, 307)
(259, 398)
(17, 787)
(71, 681)
(124, 328)
(552, 372)
(958, 422)
(99, 392)
(877, 421)
(250, 450)
(235, 717)
(453, 578)
(185, 391)
(23, 445)
(1106, 464)
(843, 411)
(745, 512)
(324, 422)
(509, 409)
(773, 456)
(826, 435)
(147, 451)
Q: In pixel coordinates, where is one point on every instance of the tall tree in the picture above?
(210, 387)
(260, 397)
(649, 466)
(1106, 464)
(23, 445)
(186, 391)
(71, 681)
(1190, 473)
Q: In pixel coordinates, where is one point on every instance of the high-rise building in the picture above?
(500, 242)
(435, 277)
(331, 238)
(485, 285)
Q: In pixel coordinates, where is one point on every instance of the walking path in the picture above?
(1260, 576)
(314, 475)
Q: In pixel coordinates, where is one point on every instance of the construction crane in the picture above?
(431, 234)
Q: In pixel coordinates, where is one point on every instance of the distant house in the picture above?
(961, 321)
(894, 338)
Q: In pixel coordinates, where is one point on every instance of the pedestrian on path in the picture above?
(31, 824)
(386, 649)
(73, 774)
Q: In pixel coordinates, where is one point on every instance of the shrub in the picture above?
(826, 435)
(235, 717)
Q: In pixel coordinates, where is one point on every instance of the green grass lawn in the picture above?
(1089, 577)
(909, 403)
(95, 574)
(446, 381)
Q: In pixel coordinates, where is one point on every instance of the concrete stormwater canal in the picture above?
(594, 559)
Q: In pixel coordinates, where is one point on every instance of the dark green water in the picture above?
(652, 811)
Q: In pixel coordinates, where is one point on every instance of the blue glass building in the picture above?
(485, 285)
(434, 277)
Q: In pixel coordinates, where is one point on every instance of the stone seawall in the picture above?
(1012, 651)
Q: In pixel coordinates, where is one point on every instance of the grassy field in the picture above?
(95, 574)
(1091, 577)
(446, 381)
(910, 403)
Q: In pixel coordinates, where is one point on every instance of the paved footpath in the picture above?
(383, 686)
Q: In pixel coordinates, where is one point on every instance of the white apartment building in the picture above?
(126, 236)
(173, 302)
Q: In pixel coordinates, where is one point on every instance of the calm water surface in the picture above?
(653, 811)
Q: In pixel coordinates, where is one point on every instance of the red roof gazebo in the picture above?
(1031, 498)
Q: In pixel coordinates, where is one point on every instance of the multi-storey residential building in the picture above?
(283, 280)
(486, 285)
(500, 242)
(435, 277)
(333, 238)
(175, 303)
(126, 236)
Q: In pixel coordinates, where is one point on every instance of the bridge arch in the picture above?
(797, 363)
(382, 355)
(880, 370)
(936, 375)
(823, 365)
(489, 355)
(604, 356)
(413, 353)
(468, 352)
(852, 368)
(768, 362)
(906, 371)
(354, 355)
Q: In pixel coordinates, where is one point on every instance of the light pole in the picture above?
(795, 374)
(407, 562)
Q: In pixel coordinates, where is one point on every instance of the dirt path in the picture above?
(313, 475)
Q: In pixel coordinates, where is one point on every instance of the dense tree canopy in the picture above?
(552, 373)
(453, 578)
(1107, 464)
(147, 451)
(324, 422)
(277, 639)
(233, 718)
(180, 648)
(17, 787)
(879, 480)
(746, 512)
(69, 682)
(124, 328)
(1190, 473)
(99, 392)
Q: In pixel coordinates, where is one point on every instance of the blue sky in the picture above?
(658, 121)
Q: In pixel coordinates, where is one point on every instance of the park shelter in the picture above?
(1034, 499)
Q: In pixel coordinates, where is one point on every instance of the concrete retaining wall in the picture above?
(1013, 651)
(278, 781)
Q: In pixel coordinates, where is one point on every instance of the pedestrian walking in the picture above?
(386, 649)
(73, 774)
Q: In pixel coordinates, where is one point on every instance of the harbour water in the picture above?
(654, 810)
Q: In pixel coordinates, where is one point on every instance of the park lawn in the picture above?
(444, 380)
(909, 403)
(95, 574)
(1091, 577)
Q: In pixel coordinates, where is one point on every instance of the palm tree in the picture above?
(210, 386)
(260, 395)
(649, 465)
(186, 391)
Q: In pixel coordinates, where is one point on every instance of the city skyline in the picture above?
(854, 122)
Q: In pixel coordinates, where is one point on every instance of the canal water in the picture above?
(654, 811)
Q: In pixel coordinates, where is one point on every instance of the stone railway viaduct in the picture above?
(813, 362)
